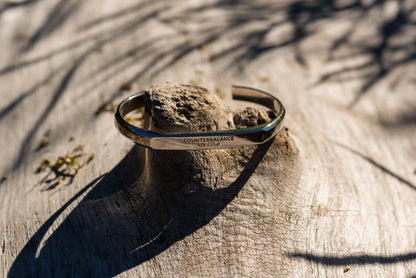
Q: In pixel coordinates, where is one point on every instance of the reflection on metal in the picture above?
(210, 140)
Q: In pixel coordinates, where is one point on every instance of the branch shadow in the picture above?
(122, 222)
(304, 18)
(103, 37)
(60, 90)
(354, 260)
(390, 51)
(107, 18)
(108, 37)
(360, 259)
(117, 193)
(378, 165)
(405, 119)
(16, 4)
(56, 17)
(150, 57)
(32, 90)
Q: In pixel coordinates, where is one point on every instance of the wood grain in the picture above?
(343, 69)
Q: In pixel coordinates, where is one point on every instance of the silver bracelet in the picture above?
(209, 140)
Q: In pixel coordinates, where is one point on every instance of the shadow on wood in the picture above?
(355, 260)
(250, 45)
(378, 165)
(122, 222)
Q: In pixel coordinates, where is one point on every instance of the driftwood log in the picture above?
(333, 196)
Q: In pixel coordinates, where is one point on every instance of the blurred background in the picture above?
(65, 60)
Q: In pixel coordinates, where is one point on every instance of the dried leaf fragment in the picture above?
(347, 268)
(79, 148)
(212, 57)
(48, 132)
(64, 166)
(130, 52)
(90, 158)
(21, 36)
(43, 165)
(99, 49)
(196, 83)
(3, 178)
(321, 210)
(199, 72)
(42, 144)
(106, 107)
(126, 87)
(264, 78)
(201, 46)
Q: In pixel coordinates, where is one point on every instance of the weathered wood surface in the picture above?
(343, 69)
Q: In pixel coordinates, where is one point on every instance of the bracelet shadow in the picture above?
(122, 223)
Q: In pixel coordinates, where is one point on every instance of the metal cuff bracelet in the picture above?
(210, 140)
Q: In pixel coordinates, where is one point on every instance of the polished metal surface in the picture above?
(210, 140)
